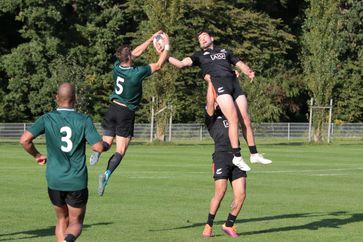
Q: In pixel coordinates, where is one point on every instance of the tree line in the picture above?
(299, 49)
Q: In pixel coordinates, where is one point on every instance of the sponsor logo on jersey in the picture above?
(219, 171)
(218, 56)
(206, 53)
(225, 123)
(223, 51)
(220, 90)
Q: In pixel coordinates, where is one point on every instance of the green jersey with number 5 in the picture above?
(66, 133)
(128, 84)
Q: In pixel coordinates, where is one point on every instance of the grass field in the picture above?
(162, 192)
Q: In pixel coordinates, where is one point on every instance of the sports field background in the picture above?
(162, 193)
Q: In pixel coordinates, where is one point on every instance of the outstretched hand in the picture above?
(207, 78)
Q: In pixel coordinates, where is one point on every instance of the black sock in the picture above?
(211, 219)
(230, 220)
(106, 146)
(70, 238)
(114, 161)
(253, 149)
(236, 152)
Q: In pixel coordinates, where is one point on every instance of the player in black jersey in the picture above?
(217, 63)
(223, 169)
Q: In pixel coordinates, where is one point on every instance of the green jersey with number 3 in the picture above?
(128, 84)
(66, 133)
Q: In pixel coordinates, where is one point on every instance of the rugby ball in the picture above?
(158, 42)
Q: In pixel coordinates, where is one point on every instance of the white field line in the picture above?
(313, 170)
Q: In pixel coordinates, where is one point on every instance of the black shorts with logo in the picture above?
(76, 199)
(118, 120)
(223, 167)
(227, 85)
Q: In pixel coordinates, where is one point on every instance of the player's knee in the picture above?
(219, 194)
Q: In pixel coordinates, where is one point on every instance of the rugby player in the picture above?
(223, 169)
(118, 122)
(217, 63)
(66, 133)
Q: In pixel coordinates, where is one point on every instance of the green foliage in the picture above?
(348, 93)
(47, 42)
(84, 32)
(332, 58)
(321, 43)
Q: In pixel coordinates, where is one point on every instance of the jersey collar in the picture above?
(125, 67)
(66, 109)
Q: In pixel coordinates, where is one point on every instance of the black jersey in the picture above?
(215, 62)
(218, 129)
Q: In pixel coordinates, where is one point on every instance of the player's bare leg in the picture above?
(241, 103)
(220, 187)
(227, 105)
(76, 217)
(239, 196)
(62, 222)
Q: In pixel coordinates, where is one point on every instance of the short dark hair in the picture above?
(203, 31)
(123, 53)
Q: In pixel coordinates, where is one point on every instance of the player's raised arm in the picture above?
(187, 61)
(246, 70)
(141, 48)
(163, 55)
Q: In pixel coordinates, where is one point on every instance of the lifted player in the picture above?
(217, 62)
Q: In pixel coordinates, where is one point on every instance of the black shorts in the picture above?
(118, 120)
(76, 199)
(227, 85)
(223, 167)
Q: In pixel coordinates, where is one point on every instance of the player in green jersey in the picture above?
(66, 132)
(118, 122)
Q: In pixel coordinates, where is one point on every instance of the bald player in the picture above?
(66, 133)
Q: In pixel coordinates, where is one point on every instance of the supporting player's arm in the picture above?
(141, 48)
(180, 63)
(210, 98)
(246, 70)
(26, 140)
(162, 57)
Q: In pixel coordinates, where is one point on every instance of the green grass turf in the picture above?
(162, 193)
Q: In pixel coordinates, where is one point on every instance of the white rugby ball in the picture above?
(158, 42)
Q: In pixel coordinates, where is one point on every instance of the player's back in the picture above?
(66, 131)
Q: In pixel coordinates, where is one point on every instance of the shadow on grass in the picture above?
(36, 233)
(320, 223)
